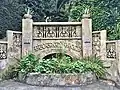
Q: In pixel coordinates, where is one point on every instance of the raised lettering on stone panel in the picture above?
(38, 31)
(62, 31)
(74, 31)
(51, 32)
(72, 48)
(59, 44)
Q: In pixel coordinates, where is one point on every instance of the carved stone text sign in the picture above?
(59, 44)
(72, 48)
(43, 31)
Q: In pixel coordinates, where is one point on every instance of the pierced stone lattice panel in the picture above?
(16, 48)
(3, 51)
(96, 43)
(17, 40)
(111, 50)
(59, 31)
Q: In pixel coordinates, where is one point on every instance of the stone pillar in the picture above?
(87, 35)
(103, 38)
(27, 25)
(10, 45)
(118, 58)
(99, 44)
(113, 47)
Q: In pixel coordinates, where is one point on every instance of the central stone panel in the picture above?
(48, 39)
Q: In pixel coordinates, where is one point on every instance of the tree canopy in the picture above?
(11, 13)
(104, 13)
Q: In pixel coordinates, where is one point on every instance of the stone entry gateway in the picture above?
(44, 38)
(48, 39)
(76, 39)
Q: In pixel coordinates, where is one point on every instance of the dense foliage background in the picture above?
(105, 13)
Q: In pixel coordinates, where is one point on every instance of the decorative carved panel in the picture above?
(61, 31)
(45, 47)
(3, 51)
(96, 43)
(17, 40)
(15, 48)
(111, 50)
(58, 44)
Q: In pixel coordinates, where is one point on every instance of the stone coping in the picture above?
(57, 23)
(3, 42)
(38, 79)
(14, 31)
(60, 38)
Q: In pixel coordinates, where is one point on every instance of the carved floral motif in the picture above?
(111, 50)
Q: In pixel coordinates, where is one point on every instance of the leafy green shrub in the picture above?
(66, 65)
(95, 65)
(61, 64)
(28, 63)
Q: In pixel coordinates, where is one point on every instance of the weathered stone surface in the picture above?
(99, 44)
(43, 48)
(27, 29)
(49, 37)
(11, 85)
(86, 36)
(59, 79)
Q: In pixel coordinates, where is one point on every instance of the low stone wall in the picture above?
(59, 79)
